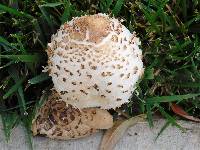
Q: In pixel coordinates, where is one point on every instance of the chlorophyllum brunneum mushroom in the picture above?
(95, 63)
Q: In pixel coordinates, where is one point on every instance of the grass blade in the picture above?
(190, 84)
(117, 7)
(149, 115)
(40, 37)
(160, 99)
(105, 5)
(18, 37)
(20, 96)
(15, 12)
(169, 118)
(6, 65)
(14, 88)
(52, 4)
(39, 78)
(4, 42)
(149, 74)
(149, 15)
(9, 120)
(22, 58)
(27, 124)
(39, 103)
(22, 101)
(16, 107)
(194, 69)
(66, 15)
(47, 17)
(162, 129)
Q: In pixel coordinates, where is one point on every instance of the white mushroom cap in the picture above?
(95, 61)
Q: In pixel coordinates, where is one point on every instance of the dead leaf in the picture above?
(179, 111)
(112, 136)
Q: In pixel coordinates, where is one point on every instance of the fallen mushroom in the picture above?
(57, 120)
(94, 61)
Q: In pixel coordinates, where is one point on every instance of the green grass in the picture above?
(170, 36)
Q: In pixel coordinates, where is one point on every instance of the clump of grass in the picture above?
(169, 32)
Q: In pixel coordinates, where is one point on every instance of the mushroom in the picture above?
(94, 61)
(57, 120)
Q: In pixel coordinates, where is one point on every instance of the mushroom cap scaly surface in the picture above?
(95, 61)
(57, 120)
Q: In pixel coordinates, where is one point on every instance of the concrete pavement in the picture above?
(138, 137)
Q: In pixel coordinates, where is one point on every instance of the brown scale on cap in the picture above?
(57, 120)
(80, 27)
